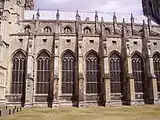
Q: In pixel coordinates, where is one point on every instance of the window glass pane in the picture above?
(156, 63)
(115, 73)
(68, 73)
(43, 73)
(18, 73)
(92, 73)
(138, 72)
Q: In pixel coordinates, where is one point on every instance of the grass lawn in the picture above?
(146, 112)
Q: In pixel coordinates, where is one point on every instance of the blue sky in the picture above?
(109, 6)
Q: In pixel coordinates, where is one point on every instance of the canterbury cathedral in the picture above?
(79, 62)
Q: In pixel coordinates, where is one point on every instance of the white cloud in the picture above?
(59, 1)
(105, 8)
(120, 6)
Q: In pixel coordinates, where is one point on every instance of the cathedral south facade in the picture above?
(76, 62)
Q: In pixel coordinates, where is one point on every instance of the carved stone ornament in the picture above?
(30, 44)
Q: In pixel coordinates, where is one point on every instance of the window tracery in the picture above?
(67, 30)
(115, 74)
(156, 63)
(87, 30)
(68, 73)
(137, 68)
(27, 29)
(47, 30)
(18, 73)
(43, 73)
(92, 74)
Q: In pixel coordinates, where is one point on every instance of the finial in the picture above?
(37, 14)
(33, 17)
(145, 32)
(77, 15)
(102, 20)
(114, 17)
(57, 14)
(143, 21)
(96, 14)
(123, 21)
(144, 24)
(87, 19)
(132, 18)
(149, 20)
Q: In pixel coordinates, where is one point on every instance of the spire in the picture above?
(77, 13)
(114, 22)
(144, 24)
(102, 20)
(149, 23)
(149, 20)
(33, 17)
(77, 16)
(144, 28)
(96, 16)
(102, 24)
(114, 18)
(124, 30)
(38, 15)
(57, 15)
(132, 24)
(124, 22)
(132, 18)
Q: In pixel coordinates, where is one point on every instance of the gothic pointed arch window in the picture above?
(137, 69)
(27, 29)
(87, 30)
(108, 31)
(67, 29)
(115, 62)
(18, 73)
(43, 73)
(92, 73)
(156, 63)
(47, 30)
(68, 72)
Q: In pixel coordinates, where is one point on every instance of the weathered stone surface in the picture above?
(79, 38)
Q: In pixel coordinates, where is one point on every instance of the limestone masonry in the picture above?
(76, 62)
